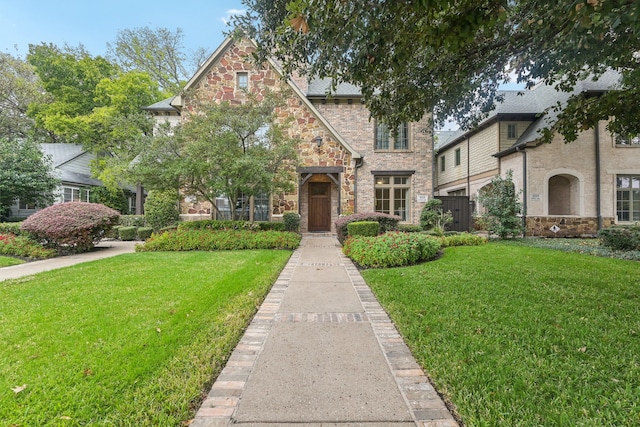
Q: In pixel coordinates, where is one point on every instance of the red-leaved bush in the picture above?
(72, 226)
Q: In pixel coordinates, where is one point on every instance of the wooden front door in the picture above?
(319, 206)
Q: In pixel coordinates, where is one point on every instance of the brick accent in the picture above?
(569, 226)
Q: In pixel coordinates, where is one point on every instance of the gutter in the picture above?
(524, 186)
(359, 162)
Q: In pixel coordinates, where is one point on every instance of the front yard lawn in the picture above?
(6, 261)
(521, 336)
(131, 340)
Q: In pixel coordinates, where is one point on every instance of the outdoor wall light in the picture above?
(317, 140)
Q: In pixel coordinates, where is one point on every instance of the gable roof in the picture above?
(61, 155)
(215, 57)
(535, 105)
(164, 105)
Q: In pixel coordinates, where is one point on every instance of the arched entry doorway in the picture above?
(319, 197)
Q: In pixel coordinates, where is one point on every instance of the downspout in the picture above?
(468, 169)
(359, 163)
(598, 185)
(524, 187)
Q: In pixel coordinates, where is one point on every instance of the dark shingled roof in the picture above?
(322, 88)
(164, 105)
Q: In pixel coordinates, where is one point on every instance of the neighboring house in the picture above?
(348, 163)
(71, 164)
(567, 189)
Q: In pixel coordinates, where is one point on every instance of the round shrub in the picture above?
(291, 222)
(363, 228)
(391, 249)
(73, 226)
(621, 238)
(161, 208)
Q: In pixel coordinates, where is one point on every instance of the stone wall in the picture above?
(541, 226)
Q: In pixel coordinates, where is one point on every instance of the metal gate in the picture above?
(460, 209)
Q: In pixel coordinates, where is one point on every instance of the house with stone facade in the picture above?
(567, 189)
(348, 162)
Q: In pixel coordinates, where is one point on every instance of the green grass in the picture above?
(6, 261)
(521, 336)
(131, 340)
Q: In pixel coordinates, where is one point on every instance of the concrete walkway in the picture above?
(321, 351)
(104, 249)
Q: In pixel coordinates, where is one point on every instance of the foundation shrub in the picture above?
(291, 222)
(127, 234)
(392, 249)
(215, 224)
(387, 222)
(267, 225)
(409, 228)
(462, 239)
(363, 228)
(144, 232)
(72, 226)
(208, 240)
(23, 247)
(621, 238)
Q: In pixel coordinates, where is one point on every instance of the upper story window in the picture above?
(442, 164)
(384, 137)
(512, 131)
(243, 80)
(628, 139)
(457, 157)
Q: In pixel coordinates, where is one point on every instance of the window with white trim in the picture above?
(392, 195)
(75, 194)
(628, 198)
(384, 137)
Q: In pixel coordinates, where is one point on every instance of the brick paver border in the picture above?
(426, 406)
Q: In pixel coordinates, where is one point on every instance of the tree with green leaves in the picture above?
(414, 57)
(19, 88)
(25, 174)
(223, 150)
(502, 207)
(158, 52)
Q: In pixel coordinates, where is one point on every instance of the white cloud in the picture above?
(230, 14)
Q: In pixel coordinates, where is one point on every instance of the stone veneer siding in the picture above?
(540, 226)
(218, 83)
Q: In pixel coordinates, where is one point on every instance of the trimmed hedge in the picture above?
(621, 238)
(72, 226)
(216, 224)
(127, 234)
(392, 249)
(207, 240)
(387, 222)
(269, 225)
(462, 239)
(144, 232)
(409, 228)
(363, 228)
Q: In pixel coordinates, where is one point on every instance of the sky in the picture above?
(94, 23)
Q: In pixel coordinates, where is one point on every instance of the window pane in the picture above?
(400, 180)
(382, 200)
(400, 202)
(243, 80)
(402, 139)
(382, 180)
(382, 137)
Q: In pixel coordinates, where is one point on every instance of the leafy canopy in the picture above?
(25, 174)
(416, 57)
(222, 150)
